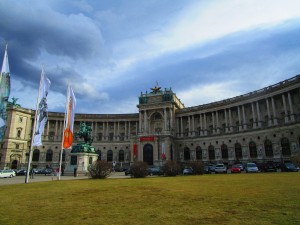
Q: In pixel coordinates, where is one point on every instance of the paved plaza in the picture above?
(43, 178)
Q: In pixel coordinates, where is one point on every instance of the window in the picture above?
(238, 151)
(198, 153)
(20, 119)
(51, 135)
(73, 160)
(111, 136)
(36, 155)
(224, 151)
(17, 146)
(49, 155)
(109, 156)
(100, 135)
(285, 145)
(121, 155)
(211, 152)
(268, 148)
(90, 160)
(64, 156)
(253, 149)
(187, 154)
(19, 133)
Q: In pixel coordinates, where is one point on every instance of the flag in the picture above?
(69, 119)
(134, 151)
(4, 93)
(42, 110)
(163, 151)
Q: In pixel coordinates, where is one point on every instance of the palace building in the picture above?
(259, 126)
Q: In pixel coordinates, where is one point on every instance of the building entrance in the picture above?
(148, 154)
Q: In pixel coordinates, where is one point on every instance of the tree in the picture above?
(99, 169)
(139, 169)
(171, 168)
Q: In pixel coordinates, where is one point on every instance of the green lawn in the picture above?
(264, 198)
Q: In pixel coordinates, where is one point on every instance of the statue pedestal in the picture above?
(81, 161)
(81, 157)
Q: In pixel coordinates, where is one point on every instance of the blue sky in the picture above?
(111, 51)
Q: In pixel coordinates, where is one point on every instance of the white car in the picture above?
(7, 173)
(220, 168)
(251, 168)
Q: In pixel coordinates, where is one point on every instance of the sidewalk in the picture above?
(42, 178)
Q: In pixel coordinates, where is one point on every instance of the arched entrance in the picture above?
(148, 154)
(14, 164)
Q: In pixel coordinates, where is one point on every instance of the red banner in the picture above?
(151, 138)
(135, 150)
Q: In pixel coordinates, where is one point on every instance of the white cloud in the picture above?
(207, 93)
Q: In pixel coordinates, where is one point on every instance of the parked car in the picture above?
(21, 172)
(128, 172)
(154, 171)
(241, 166)
(236, 168)
(7, 173)
(220, 168)
(47, 171)
(209, 168)
(251, 168)
(269, 167)
(187, 171)
(289, 167)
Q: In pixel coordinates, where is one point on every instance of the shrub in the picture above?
(100, 169)
(139, 169)
(197, 166)
(171, 168)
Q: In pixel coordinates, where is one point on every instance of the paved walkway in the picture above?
(42, 178)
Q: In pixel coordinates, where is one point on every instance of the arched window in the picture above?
(187, 155)
(99, 154)
(19, 133)
(211, 152)
(109, 156)
(121, 155)
(49, 155)
(253, 149)
(198, 153)
(238, 151)
(36, 155)
(285, 146)
(268, 148)
(224, 151)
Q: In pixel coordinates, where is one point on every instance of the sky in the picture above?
(111, 51)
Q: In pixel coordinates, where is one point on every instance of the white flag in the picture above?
(42, 111)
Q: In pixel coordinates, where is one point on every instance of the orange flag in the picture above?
(69, 119)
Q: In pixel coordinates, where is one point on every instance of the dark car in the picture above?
(21, 172)
(209, 168)
(269, 167)
(154, 171)
(47, 171)
(128, 172)
(289, 167)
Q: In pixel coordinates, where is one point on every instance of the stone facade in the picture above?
(263, 125)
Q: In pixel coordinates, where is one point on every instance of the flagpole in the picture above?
(34, 126)
(63, 136)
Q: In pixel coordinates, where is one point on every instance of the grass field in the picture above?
(264, 198)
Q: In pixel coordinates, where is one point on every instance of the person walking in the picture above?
(75, 171)
(31, 173)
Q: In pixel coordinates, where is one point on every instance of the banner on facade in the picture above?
(149, 138)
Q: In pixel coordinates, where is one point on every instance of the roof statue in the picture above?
(156, 88)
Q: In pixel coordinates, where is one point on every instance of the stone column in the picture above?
(258, 115)
(140, 121)
(230, 120)
(165, 119)
(226, 121)
(275, 122)
(181, 127)
(136, 128)
(253, 115)
(189, 123)
(205, 128)
(291, 107)
(201, 125)
(218, 125)
(286, 118)
(269, 114)
(145, 122)
(103, 131)
(171, 118)
(244, 118)
(193, 126)
(56, 130)
(213, 122)
(240, 120)
(177, 127)
(48, 123)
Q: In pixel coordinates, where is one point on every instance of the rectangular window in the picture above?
(73, 160)
(17, 146)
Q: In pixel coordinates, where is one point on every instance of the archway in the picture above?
(148, 154)
(14, 164)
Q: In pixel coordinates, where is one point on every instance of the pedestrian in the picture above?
(75, 171)
(31, 173)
